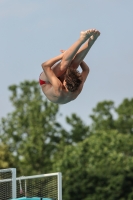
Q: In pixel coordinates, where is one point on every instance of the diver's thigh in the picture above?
(43, 76)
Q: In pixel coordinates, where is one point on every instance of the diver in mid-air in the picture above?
(60, 80)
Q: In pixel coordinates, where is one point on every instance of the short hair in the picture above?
(73, 79)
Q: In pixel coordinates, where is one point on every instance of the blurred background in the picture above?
(90, 138)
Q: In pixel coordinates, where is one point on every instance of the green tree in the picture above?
(102, 116)
(98, 168)
(124, 122)
(6, 158)
(79, 131)
(31, 130)
(106, 116)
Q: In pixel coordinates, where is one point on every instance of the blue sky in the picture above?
(32, 31)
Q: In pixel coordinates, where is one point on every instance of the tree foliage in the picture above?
(124, 122)
(100, 167)
(30, 130)
(106, 116)
(96, 160)
(6, 158)
(79, 131)
(102, 116)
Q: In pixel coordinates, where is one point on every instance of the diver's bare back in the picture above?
(61, 96)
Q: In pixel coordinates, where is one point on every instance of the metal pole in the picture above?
(59, 186)
(13, 170)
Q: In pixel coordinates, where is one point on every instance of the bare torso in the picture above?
(62, 96)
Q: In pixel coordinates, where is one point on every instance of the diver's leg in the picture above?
(84, 50)
(69, 54)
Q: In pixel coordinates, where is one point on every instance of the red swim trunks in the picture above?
(41, 81)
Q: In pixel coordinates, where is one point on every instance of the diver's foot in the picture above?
(93, 37)
(84, 35)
